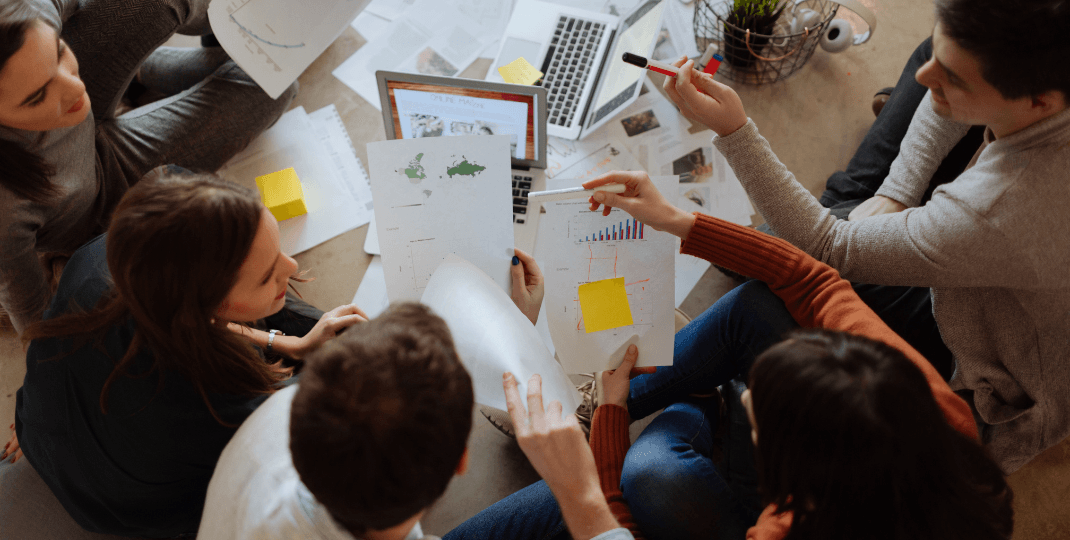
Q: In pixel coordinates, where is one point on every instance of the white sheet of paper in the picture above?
(432, 37)
(678, 20)
(690, 269)
(371, 294)
(694, 158)
(293, 142)
(492, 336)
(275, 40)
(370, 26)
(610, 155)
(332, 133)
(371, 240)
(647, 266)
(423, 213)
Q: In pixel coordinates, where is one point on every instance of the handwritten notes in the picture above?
(520, 71)
(604, 305)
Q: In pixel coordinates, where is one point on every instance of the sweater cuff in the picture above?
(609, 443)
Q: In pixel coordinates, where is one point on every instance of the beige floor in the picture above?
(814, 120)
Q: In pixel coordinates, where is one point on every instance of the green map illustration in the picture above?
(415, 170)
(464, 168)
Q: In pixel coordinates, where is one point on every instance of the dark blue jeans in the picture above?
(672, 482)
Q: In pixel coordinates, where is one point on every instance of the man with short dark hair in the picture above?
(377, 428)
(992, 244)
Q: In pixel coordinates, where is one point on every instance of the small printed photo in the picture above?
(640, 123)
(695, 165)
(429, 62)
(696, 197)
(426, 125)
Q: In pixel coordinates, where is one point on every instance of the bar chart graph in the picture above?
(616, 227)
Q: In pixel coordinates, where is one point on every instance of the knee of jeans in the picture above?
(651, 467)
(753, 298)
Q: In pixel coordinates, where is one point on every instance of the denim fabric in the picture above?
(529, 514)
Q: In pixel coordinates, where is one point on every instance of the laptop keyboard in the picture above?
(521, 187)
(569, 61)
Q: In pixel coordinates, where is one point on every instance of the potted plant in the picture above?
(758, 16)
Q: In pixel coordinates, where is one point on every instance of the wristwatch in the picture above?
(271, 339)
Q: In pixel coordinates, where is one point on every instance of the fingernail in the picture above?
(516, 260)
(600, 197)
(633, 348)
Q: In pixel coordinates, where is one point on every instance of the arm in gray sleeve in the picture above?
(944, 243)
(24, 291)
(615, 534)
(929, 139)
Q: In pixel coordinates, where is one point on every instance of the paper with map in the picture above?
(440, 195)
(492, 336)
(585, 247)
(275, 40)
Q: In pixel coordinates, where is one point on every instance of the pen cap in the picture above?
(634, 59)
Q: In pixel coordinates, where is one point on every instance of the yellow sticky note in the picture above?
(282, 194)
(604, 305)
(519, 71)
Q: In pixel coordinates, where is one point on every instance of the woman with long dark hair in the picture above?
(141, 370)
(66, 158)
(854, 433)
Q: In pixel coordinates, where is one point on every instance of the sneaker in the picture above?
(592, 397)
(880, 99)
(499, 419)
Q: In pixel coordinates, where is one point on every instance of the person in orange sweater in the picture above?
(856, 434)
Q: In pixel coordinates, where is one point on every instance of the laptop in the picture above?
(429, 106)
(579, 53)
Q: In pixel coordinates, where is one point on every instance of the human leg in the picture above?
(672, 484)
(529, 514)
(715, 347)
(111, 38)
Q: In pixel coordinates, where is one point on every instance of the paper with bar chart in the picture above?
(585, 247)
(440, 195)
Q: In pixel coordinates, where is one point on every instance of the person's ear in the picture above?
(462, 466)
(1050, 101)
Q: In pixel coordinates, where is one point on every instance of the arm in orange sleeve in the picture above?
(609, 443)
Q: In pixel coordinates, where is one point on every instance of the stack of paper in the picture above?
(336, 188)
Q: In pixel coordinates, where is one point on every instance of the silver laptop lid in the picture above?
(619, 83)
(429, 106)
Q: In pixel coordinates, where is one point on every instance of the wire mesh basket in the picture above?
(760, 58)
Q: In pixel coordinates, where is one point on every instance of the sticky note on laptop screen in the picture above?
(604, 305)
(520, 71)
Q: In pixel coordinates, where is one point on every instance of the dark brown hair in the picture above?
(852, 442)
(26, 174)
(381, 419)
(174, 249)
(1021, 44)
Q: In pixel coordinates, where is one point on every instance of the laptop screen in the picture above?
(621, 80)
(431, 109)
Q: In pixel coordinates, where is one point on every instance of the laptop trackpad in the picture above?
(516, 48)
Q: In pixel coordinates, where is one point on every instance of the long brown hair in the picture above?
(26, 174)
(174, 248)
(851, 440)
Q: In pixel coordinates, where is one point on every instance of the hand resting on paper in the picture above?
(559, 452)
(642, 200)
(528, 285)
(704, 100)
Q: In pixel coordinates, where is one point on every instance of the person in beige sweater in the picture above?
(993, 245)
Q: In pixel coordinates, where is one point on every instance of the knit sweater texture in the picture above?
(994, 246)
(817, 297)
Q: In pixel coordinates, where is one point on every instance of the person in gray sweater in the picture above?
(992, 244)
(62, 169)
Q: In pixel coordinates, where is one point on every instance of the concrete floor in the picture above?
(814, 120)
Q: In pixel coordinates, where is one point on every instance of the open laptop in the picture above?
(428, 106)
(579, 53)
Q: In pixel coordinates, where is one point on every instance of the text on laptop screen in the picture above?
(429, 110)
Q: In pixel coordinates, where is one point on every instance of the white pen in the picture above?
(574, 193)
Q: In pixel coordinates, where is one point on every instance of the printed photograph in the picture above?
(695, 165)
(430, 62)
(640, 123)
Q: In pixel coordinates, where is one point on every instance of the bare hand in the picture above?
(555, 445)
(616, 383)
(642, 200)
(329, 325)
(12, 447)
(876, 206)
(704, 100)
(528, 285)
